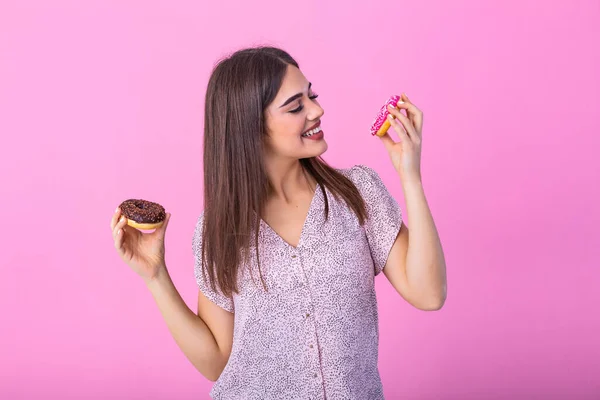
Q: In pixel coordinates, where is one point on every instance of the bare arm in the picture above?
(205, 338)
(416, 266)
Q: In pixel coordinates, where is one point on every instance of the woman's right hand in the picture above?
(143, 252)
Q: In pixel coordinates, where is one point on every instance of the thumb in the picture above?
(163, 228)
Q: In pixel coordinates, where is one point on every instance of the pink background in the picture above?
(103, 100)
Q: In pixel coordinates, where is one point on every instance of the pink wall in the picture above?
(103, 100)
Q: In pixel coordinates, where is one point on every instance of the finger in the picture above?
(115, 218)
(415, 114)
(120, 236)
(120, 226)
(411, 109)
(399, 128)
(406, 123)
(163, 228)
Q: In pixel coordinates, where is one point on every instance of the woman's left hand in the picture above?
(405, 154)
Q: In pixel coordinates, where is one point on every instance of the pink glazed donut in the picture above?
(381, 125)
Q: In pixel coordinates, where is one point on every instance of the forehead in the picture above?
(294, 82)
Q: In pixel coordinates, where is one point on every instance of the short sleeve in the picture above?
(216, 297)
(384, 216)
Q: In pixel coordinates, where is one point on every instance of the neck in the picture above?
(287, 179)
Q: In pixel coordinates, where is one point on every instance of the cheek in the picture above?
(284, 142)
(288, 130)
(284, 133)
(290, 140)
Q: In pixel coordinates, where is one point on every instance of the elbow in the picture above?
(437, 300)
(428, 305)
(433, 306)
(434, 303)
(211, 370)
(212, 375)
(425, 302)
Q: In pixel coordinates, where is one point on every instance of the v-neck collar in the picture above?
(316, 194)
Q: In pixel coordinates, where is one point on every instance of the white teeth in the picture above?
(312, 132)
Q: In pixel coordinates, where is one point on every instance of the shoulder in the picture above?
(361, 175)
(368, 182)
(199, 223)
(197, 238)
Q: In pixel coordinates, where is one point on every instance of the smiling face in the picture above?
(293, 120)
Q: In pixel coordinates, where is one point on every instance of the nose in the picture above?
(315, 111)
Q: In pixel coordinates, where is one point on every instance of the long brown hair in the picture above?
(236, 185)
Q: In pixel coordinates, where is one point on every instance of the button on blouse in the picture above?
(314, 334)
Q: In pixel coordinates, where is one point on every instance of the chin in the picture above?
(322, 148)
(315, 150)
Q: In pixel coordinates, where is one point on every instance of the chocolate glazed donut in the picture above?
(143, 214)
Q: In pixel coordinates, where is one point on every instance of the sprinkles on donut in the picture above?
(143, 214)
(381, 125)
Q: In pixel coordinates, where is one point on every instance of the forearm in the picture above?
(425, 263)
(190, 332)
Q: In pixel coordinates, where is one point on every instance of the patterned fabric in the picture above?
(314, 334)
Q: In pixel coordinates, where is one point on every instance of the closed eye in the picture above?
(301, 107)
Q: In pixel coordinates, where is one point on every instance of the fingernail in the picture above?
(122, 219)
(117, 209)
(400, 102)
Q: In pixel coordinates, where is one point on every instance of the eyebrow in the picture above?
(294, 97)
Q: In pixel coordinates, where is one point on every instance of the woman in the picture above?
(287, 247)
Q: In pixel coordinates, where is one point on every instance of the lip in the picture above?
(316, 137)
(318, 124)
